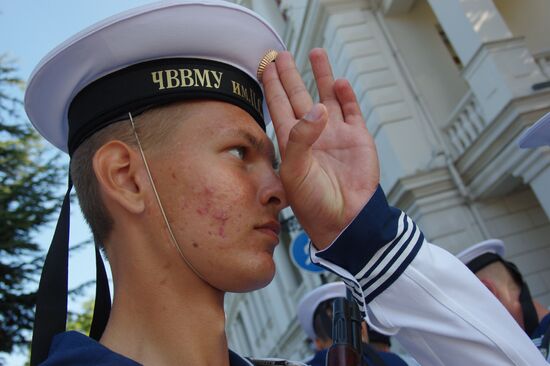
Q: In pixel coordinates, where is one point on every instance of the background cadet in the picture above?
(314, 313)
(504, 280)
(537, 135)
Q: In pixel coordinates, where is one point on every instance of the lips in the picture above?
(272, 228)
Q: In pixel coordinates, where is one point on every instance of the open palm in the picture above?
(329, 163)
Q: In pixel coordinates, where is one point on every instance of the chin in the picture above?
(252, 279)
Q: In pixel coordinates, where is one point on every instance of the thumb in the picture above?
(304, 133)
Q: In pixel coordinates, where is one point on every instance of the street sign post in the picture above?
(299, 252)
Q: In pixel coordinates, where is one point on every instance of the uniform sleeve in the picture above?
(423, 295)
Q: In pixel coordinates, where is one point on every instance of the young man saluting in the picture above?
(159, 108)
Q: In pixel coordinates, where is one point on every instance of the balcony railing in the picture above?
(465, 125)
(467, 122)
(543, 60)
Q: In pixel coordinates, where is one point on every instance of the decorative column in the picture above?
(497, 66)
(359, 51)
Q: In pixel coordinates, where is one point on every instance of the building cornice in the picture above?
(488, 154)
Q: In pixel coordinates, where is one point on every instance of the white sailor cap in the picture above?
(136, 60)
(536, 135)
(489, 248)
(310, 301)
(147, 56)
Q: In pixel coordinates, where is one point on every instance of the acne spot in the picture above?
(203, 210)
(221, 215)
(221, 231)
(173, 175)
(195, 245)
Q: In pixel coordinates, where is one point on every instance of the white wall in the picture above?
(528, 18)
(522, 224)
(436, 76)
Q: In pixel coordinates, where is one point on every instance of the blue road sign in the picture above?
(299, 252)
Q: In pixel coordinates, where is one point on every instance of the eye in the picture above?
(276, 164)
(238, 152)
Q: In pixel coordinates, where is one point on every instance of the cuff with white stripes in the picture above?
(375, 248)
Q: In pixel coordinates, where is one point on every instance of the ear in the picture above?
(491, 286)
(116, 166)
(319, 344)
(364, 332)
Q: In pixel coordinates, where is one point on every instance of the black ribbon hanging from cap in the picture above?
(102, 306)
(530, 317)
(51, 302)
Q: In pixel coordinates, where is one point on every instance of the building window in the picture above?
(449, 46)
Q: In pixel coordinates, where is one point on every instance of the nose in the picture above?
(271, 192)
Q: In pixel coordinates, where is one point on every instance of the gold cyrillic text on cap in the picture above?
(184, 78)
(249, 95)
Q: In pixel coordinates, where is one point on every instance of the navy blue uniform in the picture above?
(389, 359)
(541, 336)
(73, 348)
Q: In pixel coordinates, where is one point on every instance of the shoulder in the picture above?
(72, 348)
(319, 359)
(543, 326)
(391, 359)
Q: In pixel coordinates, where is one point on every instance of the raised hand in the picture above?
(329, 163)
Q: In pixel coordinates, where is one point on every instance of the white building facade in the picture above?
(446, 87)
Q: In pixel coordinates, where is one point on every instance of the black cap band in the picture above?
(483, 261)
(152, 83)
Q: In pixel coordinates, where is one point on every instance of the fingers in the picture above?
(286, 96)
(325, 83)
(293, 84)
(348, 102)
(302, 136)
(275, 95)
(278, 104)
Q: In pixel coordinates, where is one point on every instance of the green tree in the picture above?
(82, 321)
(30, 178)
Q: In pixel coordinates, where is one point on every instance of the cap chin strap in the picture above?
(51, 300)
(157, 197)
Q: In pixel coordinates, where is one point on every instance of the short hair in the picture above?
(322, 320)
(500, 274)
(153, 126)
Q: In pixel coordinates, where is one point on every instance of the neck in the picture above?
(162, 314)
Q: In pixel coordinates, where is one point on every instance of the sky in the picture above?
(29, 29)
